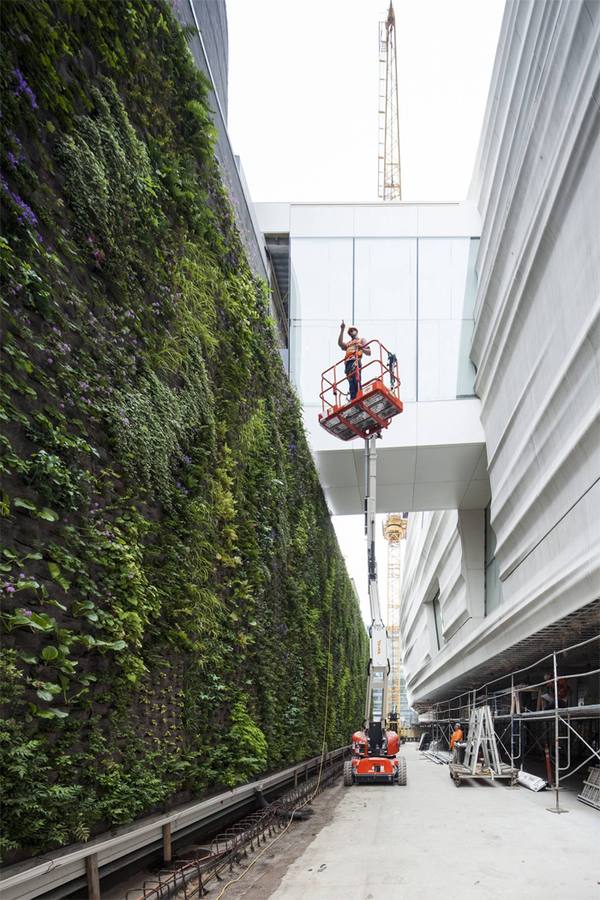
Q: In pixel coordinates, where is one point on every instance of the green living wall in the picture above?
(169, 574)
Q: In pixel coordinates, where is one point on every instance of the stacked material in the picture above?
(441, 757)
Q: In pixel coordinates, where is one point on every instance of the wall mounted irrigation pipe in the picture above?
(65, 871)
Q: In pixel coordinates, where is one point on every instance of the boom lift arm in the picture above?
(379, 665)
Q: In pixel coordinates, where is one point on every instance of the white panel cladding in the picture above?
(537, 332)
(536, 344)
(445, 553)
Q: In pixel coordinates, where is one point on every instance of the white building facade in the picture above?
(486, 590)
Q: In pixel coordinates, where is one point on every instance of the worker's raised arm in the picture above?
(366, 350)
(341, 343)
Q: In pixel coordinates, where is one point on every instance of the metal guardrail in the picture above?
(106, 854)
(190, 877)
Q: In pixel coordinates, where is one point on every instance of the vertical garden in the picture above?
(175, 606)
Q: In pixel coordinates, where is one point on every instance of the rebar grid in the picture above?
(189, 879)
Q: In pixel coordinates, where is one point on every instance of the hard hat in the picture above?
(352, 328)
(457, 724)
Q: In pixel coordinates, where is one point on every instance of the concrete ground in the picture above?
(432, 839)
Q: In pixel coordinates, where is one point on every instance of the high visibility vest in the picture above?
(354, 349)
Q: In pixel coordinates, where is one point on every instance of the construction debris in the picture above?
(531, 781)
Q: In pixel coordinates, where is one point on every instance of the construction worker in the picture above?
(354, 348)
(457, 735)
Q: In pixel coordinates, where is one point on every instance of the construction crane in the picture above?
(394, 531)
(375, 748)
(389, 181)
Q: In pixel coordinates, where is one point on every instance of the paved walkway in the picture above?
(432, 839)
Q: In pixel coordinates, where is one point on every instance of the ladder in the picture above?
(481, 736)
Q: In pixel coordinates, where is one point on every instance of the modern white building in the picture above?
(488, 590)
(493, 309)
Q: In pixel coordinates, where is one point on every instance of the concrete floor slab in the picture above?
(431, 839)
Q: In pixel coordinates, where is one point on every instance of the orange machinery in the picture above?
(376, 403)
(375, 756)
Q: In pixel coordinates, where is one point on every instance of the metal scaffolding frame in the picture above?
(458, 708)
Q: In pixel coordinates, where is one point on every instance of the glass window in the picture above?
(321, 278)
(386, 300)
(385, 278)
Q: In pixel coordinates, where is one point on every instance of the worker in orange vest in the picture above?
(354, 348)
(457, 735)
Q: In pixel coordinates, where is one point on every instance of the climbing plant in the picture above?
(169, 574)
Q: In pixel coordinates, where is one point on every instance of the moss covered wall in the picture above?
(169, 572)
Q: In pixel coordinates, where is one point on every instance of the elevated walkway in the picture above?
(433, 457)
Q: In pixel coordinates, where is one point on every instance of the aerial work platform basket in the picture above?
(377, 400)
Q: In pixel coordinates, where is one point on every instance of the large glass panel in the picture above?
(446, 294)
(320, 296)
(316, 343)
(386, 283)
(385, 300)
(322, 278)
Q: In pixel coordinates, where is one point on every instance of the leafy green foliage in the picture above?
(171, 575)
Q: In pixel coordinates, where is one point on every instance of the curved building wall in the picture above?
(536, 346)
(537, 332)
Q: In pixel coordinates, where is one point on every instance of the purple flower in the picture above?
(12, 159)
(26, 612)
(9, 588)
(22, 575)
(26, 215)
(23, 88)
(49, 360)
(187, 460)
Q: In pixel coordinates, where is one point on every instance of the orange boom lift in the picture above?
(376, 403)
(375, 749)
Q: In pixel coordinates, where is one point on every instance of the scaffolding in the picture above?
(389, 180)
(510, 696)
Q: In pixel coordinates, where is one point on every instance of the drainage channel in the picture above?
(93, 870)
(199, 865)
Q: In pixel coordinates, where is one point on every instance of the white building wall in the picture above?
(536, 345)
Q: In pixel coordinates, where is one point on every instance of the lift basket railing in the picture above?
(378, 369)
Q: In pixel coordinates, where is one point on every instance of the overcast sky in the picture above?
(303, 94)
(303, 101)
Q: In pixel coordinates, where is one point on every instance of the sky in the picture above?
(303, 94)
(303, 117)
